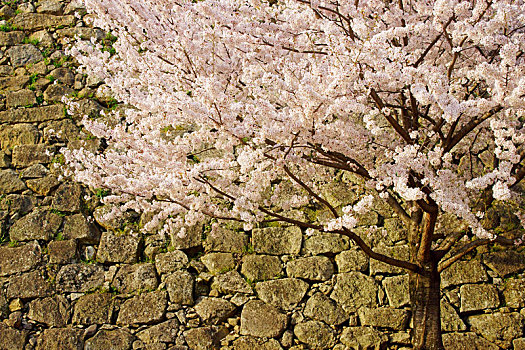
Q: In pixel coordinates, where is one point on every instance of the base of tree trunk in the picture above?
(426, 315)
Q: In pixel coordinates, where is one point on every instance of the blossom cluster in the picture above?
(227, 98)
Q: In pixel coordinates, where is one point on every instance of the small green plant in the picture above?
(13, 244)
(51, 78)
(28, 40)
(7, 27)
(59, 159)
(59, 213)
(112, 103)
(248, 249)
(59, 237)
(102, 192)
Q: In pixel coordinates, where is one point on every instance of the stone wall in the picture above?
(71, 280)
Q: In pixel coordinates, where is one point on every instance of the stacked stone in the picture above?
(70, 279)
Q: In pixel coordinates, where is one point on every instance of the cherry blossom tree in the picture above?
(230, 100)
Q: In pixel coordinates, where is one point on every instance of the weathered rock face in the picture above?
(86, 313)
(132, 278)
(315, 334)
(320, 307)
(73, 278)
(283, 293)
(261, 267)
(262, 320)
(110, 339)
(277, 240)
(21, 259)
(315, 268)
(146, 308)
(354, 290)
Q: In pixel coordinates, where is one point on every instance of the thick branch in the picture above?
(398, 128)
(311, 192)
(468, 128)
(470, 247)
(380, 257)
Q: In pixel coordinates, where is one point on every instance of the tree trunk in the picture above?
(426, 316)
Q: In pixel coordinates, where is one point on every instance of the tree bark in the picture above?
(426, 315)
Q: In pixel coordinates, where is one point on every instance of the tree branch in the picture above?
(469, 247)
(377, 256)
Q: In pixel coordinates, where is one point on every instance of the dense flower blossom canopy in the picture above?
(227, 98)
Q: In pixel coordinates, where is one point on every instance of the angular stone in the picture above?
(384, 317)
(225, 240)
(171, 261)
(214, 310)
(326, 243)
(499, 328)
(165, 332)
(462, 341)
(463, 272)
(20, 98)
(450, 320)
(10, 183)
(192, 237)
(146, 308)
(31, 115)
(61, 338)
(396, 288)
(80, 278)
(354, 290)
(37, 21)
(18, 134)
(28, 286)
(230, 283)
(20, 259)
(38, 224)
(115, 248)
(357, 338)
(62, 252)
(179, 285)
(315, 334)
(283, 293)
(117, 339)
(95, 308)
(83, 32)
(20, 55)
(78, 227)
(11, 339)
(261, 267)
(505, 262)
(400, 252)
(17, 204)
(262, 320)
(476, 297)
(352, 260)
(34, 171)
(55, 92)
(322, 308)
(250, 343)
(135, 278)
(218, 263)
(43, 186)
(53, 311)
(11, 38)
(68, 197)
(513, 292)
(277, 240)
(201, 338)
(50, 6)
(27, 155)
(12, 83)
(314, 268)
